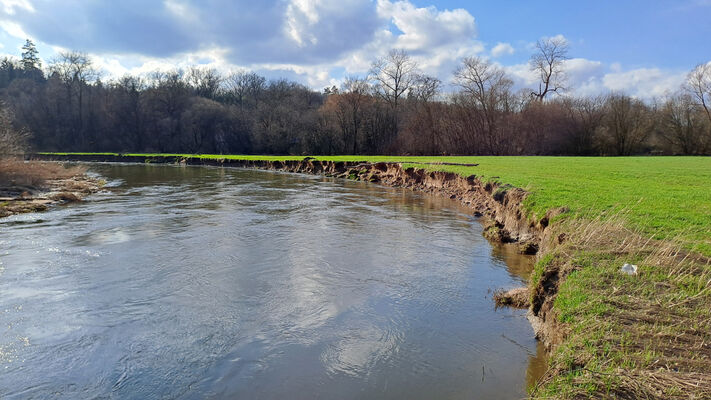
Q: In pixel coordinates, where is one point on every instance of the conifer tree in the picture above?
(30, 58)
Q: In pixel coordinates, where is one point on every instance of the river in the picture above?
(197, 282)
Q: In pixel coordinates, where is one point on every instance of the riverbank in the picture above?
(35, 186)
(611, 334)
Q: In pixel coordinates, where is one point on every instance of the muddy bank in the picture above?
(500, 206)
(22, 198)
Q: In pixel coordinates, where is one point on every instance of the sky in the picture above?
(643, 48)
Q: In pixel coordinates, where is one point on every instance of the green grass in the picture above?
(663, 197)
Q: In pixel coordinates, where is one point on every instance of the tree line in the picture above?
(395, 109)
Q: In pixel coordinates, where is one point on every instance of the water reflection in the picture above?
(203, 282)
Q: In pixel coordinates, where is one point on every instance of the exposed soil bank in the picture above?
(615, 336)
(499, 205)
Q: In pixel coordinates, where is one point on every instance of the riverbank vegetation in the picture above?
(396, 109)
(614, 335)
(34, 186)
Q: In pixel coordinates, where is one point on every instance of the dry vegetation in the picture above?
(33, 186)
(641, 336)
(34, 175)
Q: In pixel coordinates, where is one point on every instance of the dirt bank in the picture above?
(615, 335)
(500, 206)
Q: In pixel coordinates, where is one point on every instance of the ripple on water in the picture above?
(204, 282)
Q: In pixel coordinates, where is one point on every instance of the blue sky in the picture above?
(662, 33)
(644, 48)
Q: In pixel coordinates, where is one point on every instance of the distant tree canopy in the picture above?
(395, 110)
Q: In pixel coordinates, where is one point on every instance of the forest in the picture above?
(65, 105)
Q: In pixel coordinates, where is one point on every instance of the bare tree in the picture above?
(684, 126)
(349, 107)
(422, 132)
(394, 76)
(488, 91)
(77, 71)
(425, 88)
(74, 66)
(584, 117)
(627, 124)
(204, 81)
(243, 86)
(547, 63)
(699, 85)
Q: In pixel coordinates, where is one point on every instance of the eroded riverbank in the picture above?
(581, 304)
(260, 284)
(501, 206)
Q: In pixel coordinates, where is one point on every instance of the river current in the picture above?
(196, 282)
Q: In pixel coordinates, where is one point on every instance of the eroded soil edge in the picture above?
(500, 206)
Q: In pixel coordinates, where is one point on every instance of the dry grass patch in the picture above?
(627, 336)
(33, 175)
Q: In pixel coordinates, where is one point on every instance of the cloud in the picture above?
(502, 49)
(589, 78)
(9, 6)
(427, 27)
(315, 42)
(254, 31)
(644, 82)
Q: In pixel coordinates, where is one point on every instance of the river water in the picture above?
(194, 282)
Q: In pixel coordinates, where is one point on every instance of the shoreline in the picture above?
(500, 207)
(608, 334)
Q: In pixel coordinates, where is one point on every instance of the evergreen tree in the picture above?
(30, 58)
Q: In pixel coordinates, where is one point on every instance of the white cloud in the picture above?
(644, 82)
(588, 78)
(14, 29)
(502, 49)
(426, 26)
(313, 41)
(9, 6)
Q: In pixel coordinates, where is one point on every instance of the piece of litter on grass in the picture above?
(629, 269)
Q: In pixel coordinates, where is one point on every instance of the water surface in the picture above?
(190, 282)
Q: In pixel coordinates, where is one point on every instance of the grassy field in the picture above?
(643, 336)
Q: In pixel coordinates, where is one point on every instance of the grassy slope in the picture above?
(625, 334)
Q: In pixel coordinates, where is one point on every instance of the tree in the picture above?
(487, 90)
(699, 85)
(627, 124)
(583, 117)
(350, 110)
(12, 141)
(204, 81)
(394, 76)
(547, 63)
(684, 126)
(425, 88)
(30, 57)
(76, 71)
(245, 87)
